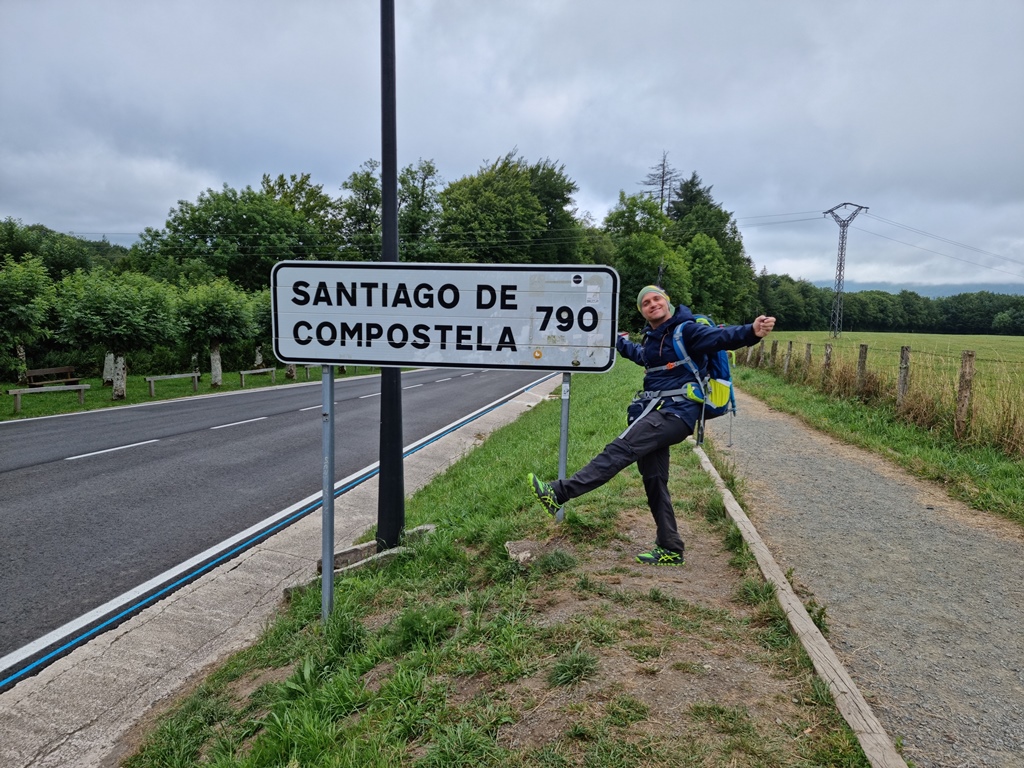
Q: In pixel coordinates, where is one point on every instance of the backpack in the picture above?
(715, 390)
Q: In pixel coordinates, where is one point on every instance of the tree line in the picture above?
(199, 284)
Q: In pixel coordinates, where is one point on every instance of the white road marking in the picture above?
(108, 450)
(235, 424)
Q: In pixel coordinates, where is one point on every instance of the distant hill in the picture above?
(929, 291)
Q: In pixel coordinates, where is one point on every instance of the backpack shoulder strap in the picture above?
(680, 347)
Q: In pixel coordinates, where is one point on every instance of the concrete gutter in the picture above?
(76, 711)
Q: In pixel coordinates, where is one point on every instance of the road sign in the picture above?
(551, 318)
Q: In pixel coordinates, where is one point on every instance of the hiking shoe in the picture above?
(545, 494)
(661, 556)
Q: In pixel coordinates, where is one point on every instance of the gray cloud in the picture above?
(113, 111)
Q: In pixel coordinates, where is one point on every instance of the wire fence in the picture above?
(978, 400)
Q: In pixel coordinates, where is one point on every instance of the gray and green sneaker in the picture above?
(661, 556)
(545, 494)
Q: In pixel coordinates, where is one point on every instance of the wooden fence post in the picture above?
(785, 361)
(827, 364)
(903, 382)
(760, 354)
(750, 351)
(963, 394)
(862, 367)
(807, 359)
(774, 353)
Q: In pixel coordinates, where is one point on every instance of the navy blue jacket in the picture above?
(656, 349)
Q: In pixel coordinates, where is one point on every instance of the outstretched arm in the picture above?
(629, 349)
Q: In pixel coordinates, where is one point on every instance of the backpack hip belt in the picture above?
(654, 398)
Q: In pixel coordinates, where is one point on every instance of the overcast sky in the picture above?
(111, 112)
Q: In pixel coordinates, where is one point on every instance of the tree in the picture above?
(419, 211)
(17, 241)
(968, 312)
(26, 293)
(262, 320)
(212, 314)
(660, 180)
(797, 305)
(316, 208)
(638, 259)
(561, 240)
(597, 247)
(693, 211)
(61, 254)
(635, 214)
(1010, 322)
(642, 257)
(227, 233)
(122, 313)
(492, 217)
(708, 273)
(360, 214)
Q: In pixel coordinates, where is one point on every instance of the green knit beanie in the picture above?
(654, 289)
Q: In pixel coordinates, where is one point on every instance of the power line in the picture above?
(774, 223)
(777, 215)
(937, 253)
(943, 239)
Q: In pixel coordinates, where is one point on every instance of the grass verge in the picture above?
(456, 654)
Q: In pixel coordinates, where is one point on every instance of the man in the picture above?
(663, 415)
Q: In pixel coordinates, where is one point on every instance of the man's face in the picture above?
(654, 308)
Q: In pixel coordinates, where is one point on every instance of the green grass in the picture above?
(436, 658)
(995, 416)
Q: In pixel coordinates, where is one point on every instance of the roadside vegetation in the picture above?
(995, 411)
(137, 390)
(456, 654)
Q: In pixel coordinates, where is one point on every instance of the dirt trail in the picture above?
(924, 596)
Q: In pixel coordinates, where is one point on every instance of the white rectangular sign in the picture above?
(552, 318)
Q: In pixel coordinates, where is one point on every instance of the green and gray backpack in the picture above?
(714, 390)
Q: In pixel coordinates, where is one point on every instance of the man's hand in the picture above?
(763, 326)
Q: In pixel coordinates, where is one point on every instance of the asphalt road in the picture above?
(94, 504)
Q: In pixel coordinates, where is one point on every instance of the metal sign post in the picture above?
(327, 504)
(563, 440)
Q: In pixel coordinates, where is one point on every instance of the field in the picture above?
(996, 410)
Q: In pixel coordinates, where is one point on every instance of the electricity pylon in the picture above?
(836, 322)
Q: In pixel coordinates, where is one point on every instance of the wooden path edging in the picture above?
(877, 746)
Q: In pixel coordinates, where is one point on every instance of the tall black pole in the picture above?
(391, 481)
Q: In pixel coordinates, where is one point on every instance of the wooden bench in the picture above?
(41, 377)
(55, 388)
(271, 371)
(193, 376)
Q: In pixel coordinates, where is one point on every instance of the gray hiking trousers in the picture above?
(647, 443)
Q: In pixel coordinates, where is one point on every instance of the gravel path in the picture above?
(924, 596)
